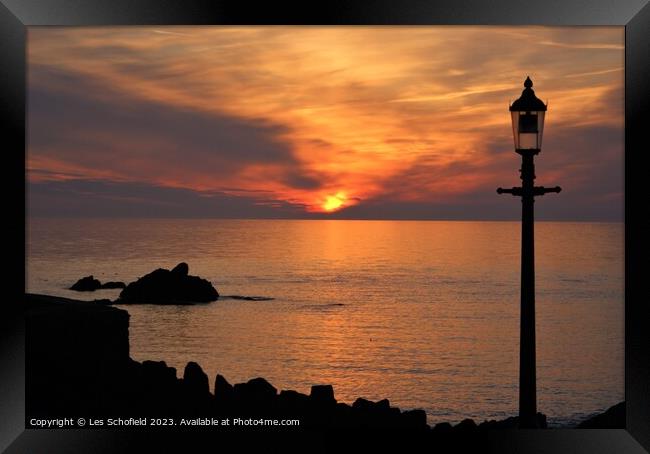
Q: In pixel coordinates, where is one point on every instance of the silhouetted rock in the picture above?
(257, 388)
(182, 269)
(78, 353)
(169, 287)
(113, 284)
(195, 388)
(86, 284)
(222, 389)
(155, 389)
(612, 418)
(345, 416)
(442, 427)
(415, 418)
(158, 372)
(511, 423)
(380, 414)
(195, 380)
(465, 424)
(90, 284)
(322, 395)
(104, 301)
(508, 423)
(363, 404)
(383, 404)
(79, 364)
(255, 396)
(293, 402)
(223, 395)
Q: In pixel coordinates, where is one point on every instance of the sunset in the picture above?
(300, 122)
(413, 227)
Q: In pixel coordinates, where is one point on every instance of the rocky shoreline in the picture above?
(78, 364)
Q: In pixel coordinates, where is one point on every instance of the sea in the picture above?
(423, 313)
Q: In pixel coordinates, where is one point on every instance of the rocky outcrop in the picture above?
(322, 395)
(612, 418)
(223, 392)
(86, 284)
(78, 355)
(90, 284)
(79, 365)
(169, 287)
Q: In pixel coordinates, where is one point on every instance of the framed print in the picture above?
(417, 220)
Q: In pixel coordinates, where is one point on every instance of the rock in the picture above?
(257, 388)
(612, 418)
(383, 404)
(443, 427)
(86, 284)
(78, 353)
(169, 287)
(222, 389)
(415, 418)
(181, 269)
(345, 416)
(103, 301)
(509, 423)
(322, 395)
(381, 414)
(90, 284)
(113, 284)
(158, 372)
(293, 402)
(195, 380)
(363, 404)
(159, 390)
(255, 396)
(465, 424)
(223, 396)
(80, 364)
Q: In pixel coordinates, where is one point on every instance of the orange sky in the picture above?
(322, 118)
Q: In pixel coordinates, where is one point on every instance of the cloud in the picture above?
(585, 161)
(101, 198)
(78, 121)
(585, 45)
(596, 73)
(413, 115)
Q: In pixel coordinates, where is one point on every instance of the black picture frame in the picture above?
(16, 15)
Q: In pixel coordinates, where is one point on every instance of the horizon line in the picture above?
(208, 218)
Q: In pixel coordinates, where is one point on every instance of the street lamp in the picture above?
(528, 119)
(527, 126)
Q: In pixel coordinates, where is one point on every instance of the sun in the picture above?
(334, 202)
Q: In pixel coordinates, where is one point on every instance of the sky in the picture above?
(352, 122)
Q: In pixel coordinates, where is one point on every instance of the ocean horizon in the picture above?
(422, 312)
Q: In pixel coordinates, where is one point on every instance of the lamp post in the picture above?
(527, 126)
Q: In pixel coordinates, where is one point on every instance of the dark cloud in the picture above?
(485, 204)
(301, 180)
(77, 120)
(586, 161)
(97, 198)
